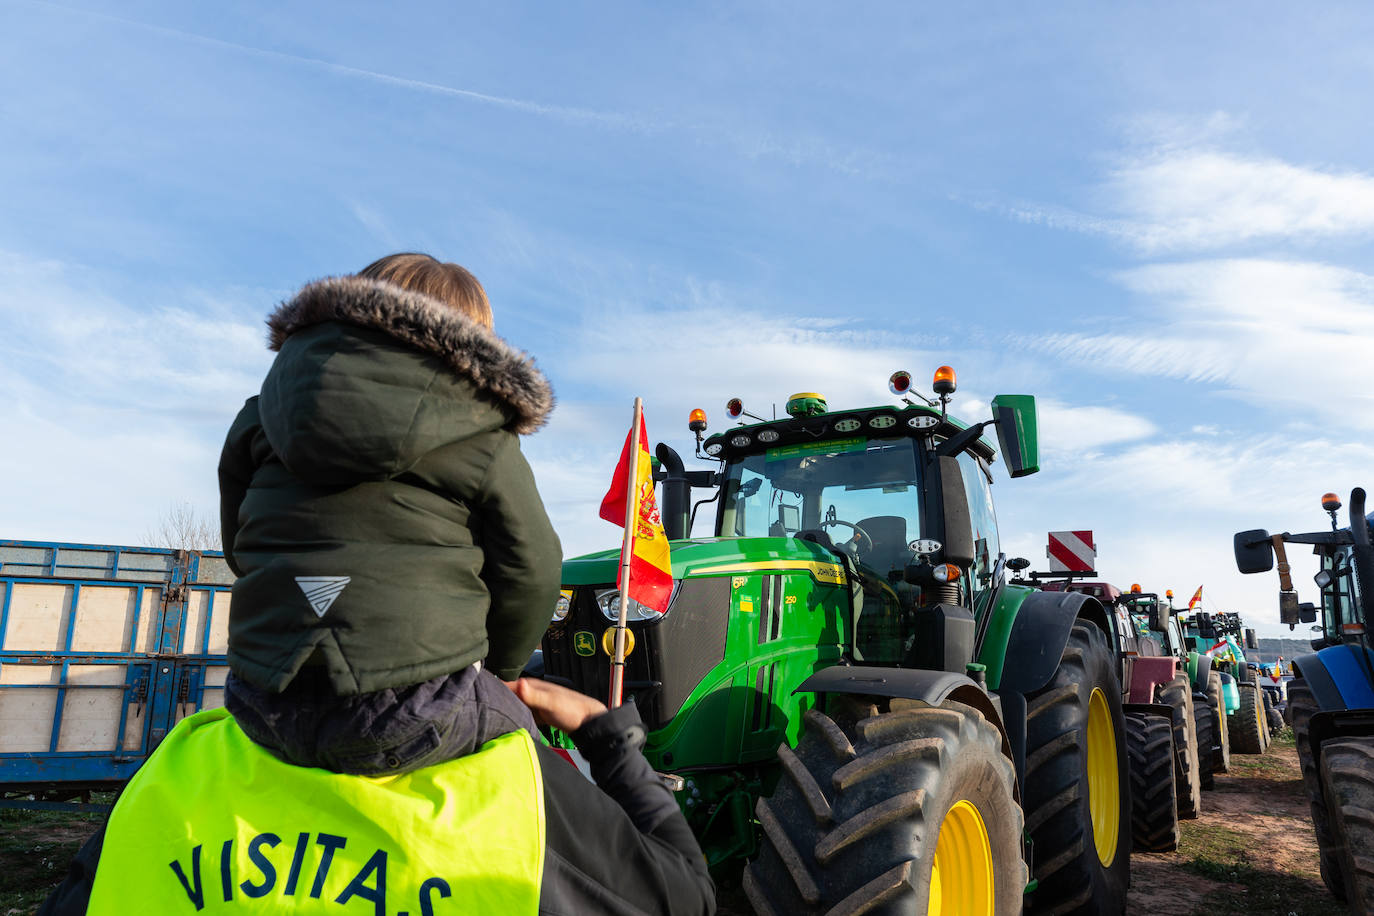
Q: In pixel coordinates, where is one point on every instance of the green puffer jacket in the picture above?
(374, 501)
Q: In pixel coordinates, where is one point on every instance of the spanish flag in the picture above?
(651, 571)
(1196, 599)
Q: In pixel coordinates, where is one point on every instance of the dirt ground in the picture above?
(1250, 853)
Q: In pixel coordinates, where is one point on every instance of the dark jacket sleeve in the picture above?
(236, 466)
(523, 560)
(626, 849)
(73, 895)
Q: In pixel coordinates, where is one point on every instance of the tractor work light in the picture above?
(696, 421)
(923, 421)
(563, 605)
(740, 441)
(1323, 579)
(735, 408)
(946, 572)
(608, 599)
(714, 449)
(945, 381)
(847, 425)
(924, 547)
(882, 421)
(768, 435)
(900, 383)
(1331, 502)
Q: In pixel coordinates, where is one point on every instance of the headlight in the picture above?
(562, 605)
(609, 602)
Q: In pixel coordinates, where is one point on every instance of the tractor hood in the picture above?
(716, 557)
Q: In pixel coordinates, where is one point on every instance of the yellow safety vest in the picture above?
(213, 822)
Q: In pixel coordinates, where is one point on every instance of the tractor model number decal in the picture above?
(584, 643)
(827, 573)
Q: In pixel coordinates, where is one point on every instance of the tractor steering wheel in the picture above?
(865, 545)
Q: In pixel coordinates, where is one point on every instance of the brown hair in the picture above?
(449, 283)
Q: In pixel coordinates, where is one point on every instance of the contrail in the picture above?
(561, 112)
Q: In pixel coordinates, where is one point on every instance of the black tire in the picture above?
(1221, 755)
(1202, 727)
(1178, 696)
(1073, 876)
(1247, 735)
(1303, 705)
(1347, 774)
(1154, 793)
(853, 825)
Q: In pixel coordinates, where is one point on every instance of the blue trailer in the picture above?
(102, 650)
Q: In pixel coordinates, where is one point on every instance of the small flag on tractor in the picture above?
(646, 572)
(1194, 601)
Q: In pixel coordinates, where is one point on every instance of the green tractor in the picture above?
(847, 691)
(1220, 636)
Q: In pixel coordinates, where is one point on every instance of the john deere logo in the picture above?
(584, 643)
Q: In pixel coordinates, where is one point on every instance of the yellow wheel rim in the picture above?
(1104, 793)
(963, 860)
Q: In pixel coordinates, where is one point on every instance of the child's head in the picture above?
(447, 282)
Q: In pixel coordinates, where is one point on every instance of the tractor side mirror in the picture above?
(1018, 432)
(1307, 612)
(1205, 628)
(1157, 621)
(1250, 641)
(1254, 551)
(958, 541)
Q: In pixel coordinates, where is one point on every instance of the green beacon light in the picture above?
(806, 404)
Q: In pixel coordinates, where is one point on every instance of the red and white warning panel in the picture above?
(1072, 551)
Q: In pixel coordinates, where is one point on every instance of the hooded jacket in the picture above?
(374, 501)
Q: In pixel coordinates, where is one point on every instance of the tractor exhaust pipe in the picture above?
(677, 492)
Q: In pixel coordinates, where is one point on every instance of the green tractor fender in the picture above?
(1030, 629)
(1199, 669)
(923, 685)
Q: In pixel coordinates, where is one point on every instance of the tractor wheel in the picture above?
(915, 814)
(1154, 793)
(1221, 756)
(1347, 774)
(1178, 695)
(1202, 727)
(1076, 791)
(1272, 720)
(1248, 728)
(1303, 705)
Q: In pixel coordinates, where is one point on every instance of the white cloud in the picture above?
(112, 411)
(1198, 199)
(1275, 332)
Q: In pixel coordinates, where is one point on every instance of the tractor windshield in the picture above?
(861, 491)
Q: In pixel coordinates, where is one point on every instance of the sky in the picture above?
(1155, 217)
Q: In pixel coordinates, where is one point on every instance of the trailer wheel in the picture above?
(1076, 792)
(1154, 793)
(1202, 728)
(915, 814)
(1178, 695)
(1248, 728)
(1347, 774)
(1221, 754)
(1302, 705)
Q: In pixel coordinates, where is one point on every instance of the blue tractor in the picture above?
(1331, 699)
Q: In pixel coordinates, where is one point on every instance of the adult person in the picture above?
(393, 560)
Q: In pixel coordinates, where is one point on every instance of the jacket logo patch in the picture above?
(321, 591)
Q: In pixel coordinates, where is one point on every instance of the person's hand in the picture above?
(554, 705)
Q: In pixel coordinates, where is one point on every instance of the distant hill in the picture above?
(1271, 648)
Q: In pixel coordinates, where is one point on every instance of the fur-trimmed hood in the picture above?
(470, 350)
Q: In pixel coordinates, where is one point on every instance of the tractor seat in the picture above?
(889, 542)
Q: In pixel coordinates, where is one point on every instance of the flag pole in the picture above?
(626, 552)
